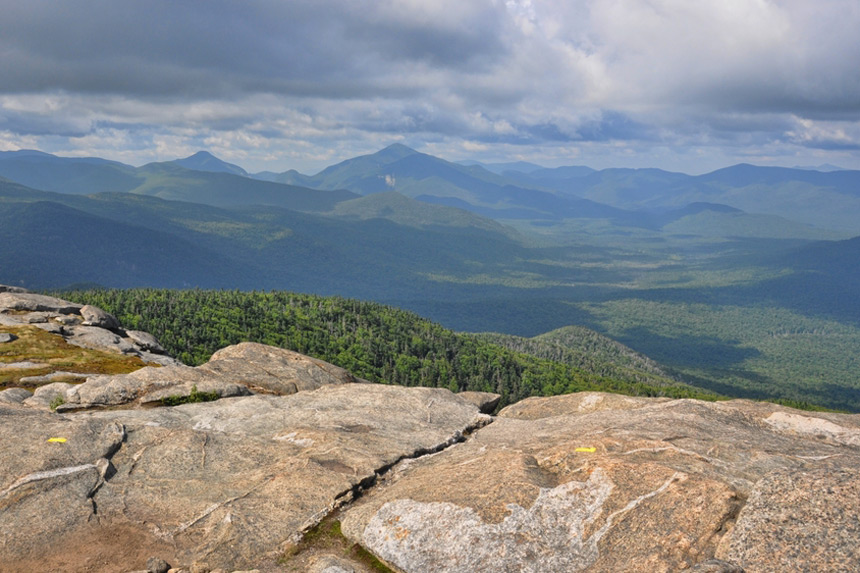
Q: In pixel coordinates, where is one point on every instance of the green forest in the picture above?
(373, 341)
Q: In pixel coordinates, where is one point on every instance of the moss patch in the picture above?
(50, 353)
(327, 538)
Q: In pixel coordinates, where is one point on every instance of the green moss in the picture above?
(327, 536)
(359, 553)
(193, 397)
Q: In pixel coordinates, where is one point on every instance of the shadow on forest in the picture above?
(763, 388)
(689, 351)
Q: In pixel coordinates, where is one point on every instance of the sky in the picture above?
(683, 85)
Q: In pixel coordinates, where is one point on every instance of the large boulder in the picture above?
(233, 371)
(145, 341)
(220, 484)
(275, 370)
(94, 316)
(98, 338)
(594, 482)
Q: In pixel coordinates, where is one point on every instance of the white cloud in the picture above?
(294, 84)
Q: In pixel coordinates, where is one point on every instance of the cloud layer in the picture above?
(272, 85)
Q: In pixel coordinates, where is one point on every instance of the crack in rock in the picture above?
(38, 476)
(343, 499)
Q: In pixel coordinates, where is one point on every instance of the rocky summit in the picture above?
(292, 464)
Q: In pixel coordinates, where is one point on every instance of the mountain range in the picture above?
(513, 248)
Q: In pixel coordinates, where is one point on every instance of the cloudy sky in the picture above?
(686, 85)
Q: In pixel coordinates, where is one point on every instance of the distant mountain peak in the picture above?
(202, 154)
(397, 150)
(205, 161)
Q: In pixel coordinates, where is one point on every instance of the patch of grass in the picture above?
(51, 353)
(193, 397)
(57, 402)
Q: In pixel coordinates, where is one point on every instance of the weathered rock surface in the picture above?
(7, 337)
(98, 338)
(222, 483)
(50, 468)
(330, 564)
(593, 482)
(806, 520)
(233, 371)
(578, 403)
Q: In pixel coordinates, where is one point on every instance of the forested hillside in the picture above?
(376, 342)
(584, 348)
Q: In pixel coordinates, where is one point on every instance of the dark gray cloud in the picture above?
(222, 48)
(300, 83)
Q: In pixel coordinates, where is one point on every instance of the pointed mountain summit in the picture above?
(394, 151)
(205, 161)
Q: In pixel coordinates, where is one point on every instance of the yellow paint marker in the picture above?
(57, 440)
(589, 450)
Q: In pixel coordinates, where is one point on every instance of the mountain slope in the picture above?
(404, 210)
(65, 174)
(586, 349)
(257, 247)
(434, 180)
(356, 174)
(51, 245)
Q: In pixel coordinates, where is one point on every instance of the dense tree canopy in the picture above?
(376, 342)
